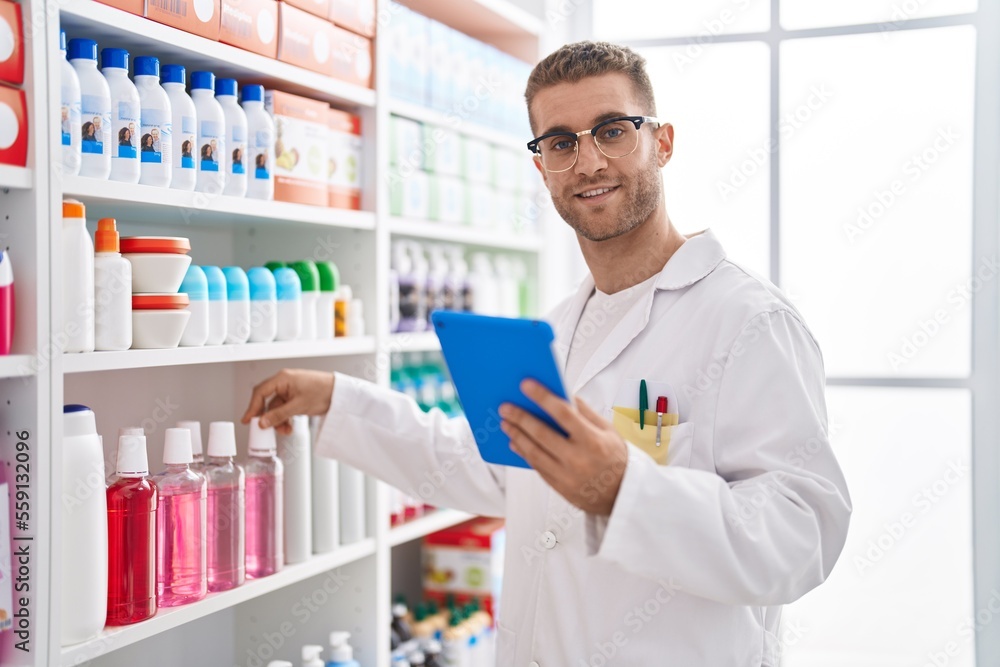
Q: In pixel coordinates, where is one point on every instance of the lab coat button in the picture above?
(549, 541)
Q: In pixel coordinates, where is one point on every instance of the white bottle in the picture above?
(95, 110)
(195, 285)
(312, 656)
(341, 652)
(483, 283)
(309, 278)
(289, 292)
(263, 305)
(112, 290)
(78, 279)
(210, 145)
(356, 319)
(235, 156)
(218, 308)
(260, 144)
(156, 128)
(325, 498)
(183, 127)
(197, 454)
(125, 121)
(294, 452)
(69, 128)
(421, 268)
(352, 504)
(84, 531)
(238, 302)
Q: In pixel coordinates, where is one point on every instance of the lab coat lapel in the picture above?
(565, 325)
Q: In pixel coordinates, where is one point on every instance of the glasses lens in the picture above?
(558, 152)
(617, 138)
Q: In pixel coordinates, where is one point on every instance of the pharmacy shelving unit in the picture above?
(349, 588)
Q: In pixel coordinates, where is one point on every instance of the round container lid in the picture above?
(172, 245)
(202, 80)
(177, 448)
(289, 285)
(195, 284)
(308, 275)
(262, 284)
(82, 48)
(160, 301)
(253, 93)
(237, 285)
(73, 209)
(329, 276)
(114, 58)
(172, 74)
(225, 87)
(222, 439)
(147, 66)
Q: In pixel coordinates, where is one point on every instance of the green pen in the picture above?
(643, 404)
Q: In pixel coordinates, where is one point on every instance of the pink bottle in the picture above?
(131, 536)
(226, 513)
(265, 473)
(6, 303)
(180, 525)
(198, 464)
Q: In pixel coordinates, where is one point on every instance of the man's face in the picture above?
(635, 183)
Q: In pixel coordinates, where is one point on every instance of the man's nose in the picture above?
(589, 158)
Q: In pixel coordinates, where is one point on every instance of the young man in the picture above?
(616, 552)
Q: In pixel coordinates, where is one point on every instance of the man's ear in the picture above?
(541, 170)
(664, 136)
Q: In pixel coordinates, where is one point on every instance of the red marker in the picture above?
(661, 407)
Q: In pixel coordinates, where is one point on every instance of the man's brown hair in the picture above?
(573, 62)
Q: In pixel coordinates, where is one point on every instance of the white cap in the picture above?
(263, 441)
(312, 654)
(195, 429)
(132, 460)
(340, 650)
(222, 439)
(345, 293)
(279, 663)
(131, 430)
(177, 447)
(399, 610)
(78, 420)
(416, 658)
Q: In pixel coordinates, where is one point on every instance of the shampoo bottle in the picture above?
(156, 130)
(95, 110)
(263, 305)
(226, 510)
(309, 277)
(183, 127)
(294, 451)
(112, 290)
(211, 138)
(218, 308)
(264, 511)
(329, 281)
(289, 290)
(312, 656)
(325, 499)
(341, 652)
(260, 144)
(125, 121)
(69, 118)
(6, 303)
(195, 285)
(78, 279)
(238, 301)
(234, 159)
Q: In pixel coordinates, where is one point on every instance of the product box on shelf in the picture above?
(406, 143)
(444, 150)
(251, 25)
(300, 148)
(481, 206)
(354, 15)
(447, 200)
(344, 159)
(409, 194)
(11, 43)
(465, 561)
(320, 8)
(351, 57)
(304, 39)
(6, 566)
(137, 7)
(441, 74)
(14, 127)
(505, 167)
(477, 160)
(416, 57)
(198, 17)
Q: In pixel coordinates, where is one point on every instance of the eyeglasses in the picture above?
(615, 138)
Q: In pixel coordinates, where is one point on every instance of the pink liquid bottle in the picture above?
(180, 525)
(226, 513)
(198, 462)
(131, 536)
(6, 303)
(265, 535)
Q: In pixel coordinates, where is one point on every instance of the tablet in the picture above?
(488, 358)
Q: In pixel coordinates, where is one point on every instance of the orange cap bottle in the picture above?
(106, 238)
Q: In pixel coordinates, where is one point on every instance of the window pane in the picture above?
(811, 14)
(876, 198)
(903, 587)
(643, 19)
(719, 109)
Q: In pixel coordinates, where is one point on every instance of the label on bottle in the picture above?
(95, 125)
(126, 128)
(156, 136)
(211, 144)
(262, 140)
(185, 142)
(238, 145)
(70, 118)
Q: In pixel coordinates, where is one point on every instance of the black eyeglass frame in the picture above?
(575, 136)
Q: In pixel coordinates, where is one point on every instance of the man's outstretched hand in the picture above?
(291, 392)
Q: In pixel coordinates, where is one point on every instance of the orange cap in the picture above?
(106, 238)
(73, 209)
(160, 301)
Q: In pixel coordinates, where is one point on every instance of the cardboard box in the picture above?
(506, 168)
(465, 561)
(409, 194)
(11, 43)
(441, 74)
(320, 8)
(444, 150)
(405, 143)
(13, 127)
(351, 57)
(354, 15)
(251, 25)
(300, 148)
(448, 200)
(303, 39)
(477, 160)
(481, 206)
(344, 155)
(198, 17)
(137, 7)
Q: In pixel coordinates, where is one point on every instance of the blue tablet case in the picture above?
(488, 358)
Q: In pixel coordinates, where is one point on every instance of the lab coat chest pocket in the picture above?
(681, 445)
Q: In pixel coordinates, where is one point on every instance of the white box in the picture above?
(444, 150)
(406, 143)
(477, 160)
(441, 77)
(447, 204)
(505, 168)
(481, 207)
(409, 195)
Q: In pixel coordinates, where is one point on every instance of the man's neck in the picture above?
(632, 258)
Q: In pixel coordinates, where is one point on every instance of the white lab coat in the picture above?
(692, 566)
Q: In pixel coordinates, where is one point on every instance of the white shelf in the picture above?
(16, 366)
(167, 619)
(20, 178)
(90, 362)
(425, 525)
(147, 204)
(432, 117)
(498, 22)
(485, 238)
(421, 341)
(141, 36)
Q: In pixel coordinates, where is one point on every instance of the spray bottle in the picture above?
(341, 653)
(312, 656)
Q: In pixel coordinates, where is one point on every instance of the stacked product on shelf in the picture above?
(13, 103)
(464, 563)
(435, 635)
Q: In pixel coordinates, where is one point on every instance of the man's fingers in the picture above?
(543, 435)
(258, 400)
(524, 446)
(559, 409)
(588, 412)
(279, 415)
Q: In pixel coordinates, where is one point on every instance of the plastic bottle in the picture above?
(352, 504)
(132, 500)
(264, 504)
(289, 292)
(263, 305)
(211, 142)
(455, 642)
(156, 129)
(125, 121)
(452, 289)
(112, 290)
(78, 279)
(226, 510)
(7, 314)
(420, 271)
(195, 285)
(399, 623)
(342, 311)
(234, 158)
(356, 318)
(312, 656)
(260, 144)
(84, 531)
(238, 305)
(325, 498)
(309, 277)
(409, 294)
(464, 296)
(341, 652)
(294, 451)
(484, 286)
(69, 128)
(95, 110)
(181, 521)
(432, 654)
(183, 126)
(329, 282)
(508, 294)
(197, 456)
(437, 269)
(218, 307)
